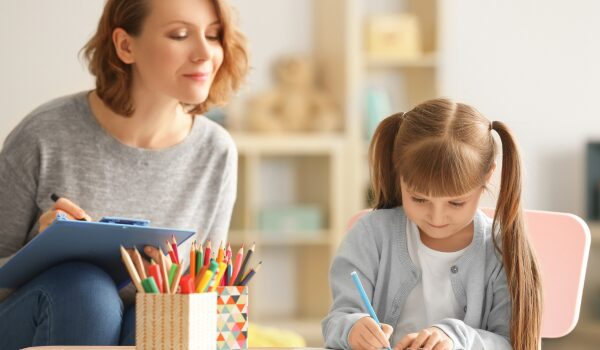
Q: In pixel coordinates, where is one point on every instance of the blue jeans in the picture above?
(73, 303)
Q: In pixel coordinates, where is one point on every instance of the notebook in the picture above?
(94, 242)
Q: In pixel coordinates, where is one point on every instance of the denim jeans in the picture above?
(73, 303)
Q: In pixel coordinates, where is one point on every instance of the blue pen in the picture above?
(365, 299)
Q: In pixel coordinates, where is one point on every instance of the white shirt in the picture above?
(433, 298)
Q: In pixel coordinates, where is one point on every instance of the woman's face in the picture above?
(179, 50)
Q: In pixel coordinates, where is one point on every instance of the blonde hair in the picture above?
(114, 77)
(443, 148)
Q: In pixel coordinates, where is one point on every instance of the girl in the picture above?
(440, 274)
(136, 146)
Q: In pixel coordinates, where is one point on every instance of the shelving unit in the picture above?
(327, 170)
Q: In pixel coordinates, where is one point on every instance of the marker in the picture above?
(365, 299)
(55, 198)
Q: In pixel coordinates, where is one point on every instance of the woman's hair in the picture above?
(114, 77)
(442, 148)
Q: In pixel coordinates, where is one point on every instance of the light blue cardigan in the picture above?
(376, 248)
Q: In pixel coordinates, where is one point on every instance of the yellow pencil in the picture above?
(217, 281)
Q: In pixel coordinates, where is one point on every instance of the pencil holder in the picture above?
(232, 317)
(176, 321)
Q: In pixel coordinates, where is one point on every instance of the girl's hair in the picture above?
(444, 149)
(114, 77)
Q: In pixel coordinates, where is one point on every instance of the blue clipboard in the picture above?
(94, 242)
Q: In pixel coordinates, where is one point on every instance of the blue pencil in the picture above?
(364, 298)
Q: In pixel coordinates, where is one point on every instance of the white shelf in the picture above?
(381, 61)
(313, 238)
(304, 144)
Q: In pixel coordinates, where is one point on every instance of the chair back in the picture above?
(561, 243)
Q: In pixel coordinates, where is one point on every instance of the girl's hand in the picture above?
(62, 205)
(367, 335)
(431, 338)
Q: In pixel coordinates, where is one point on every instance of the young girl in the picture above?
(136, 146)
(439, 273)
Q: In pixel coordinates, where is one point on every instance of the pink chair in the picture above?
(561, 242)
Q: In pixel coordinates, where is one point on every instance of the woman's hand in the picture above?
(62, 205)
(367, 335)
(153, 253)
(428, 339)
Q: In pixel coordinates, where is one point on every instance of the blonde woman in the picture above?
(441, 274)
(135, 146)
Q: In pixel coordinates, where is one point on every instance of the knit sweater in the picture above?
(376, 248)
(61, 148)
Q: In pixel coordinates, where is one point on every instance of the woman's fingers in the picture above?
(154, 253)
(71, 208)
(48, 217)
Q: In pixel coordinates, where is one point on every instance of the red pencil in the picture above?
(237, 264)
(207, 254)
(175, 250)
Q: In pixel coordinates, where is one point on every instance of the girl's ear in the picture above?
(123, 45)
(488, 177)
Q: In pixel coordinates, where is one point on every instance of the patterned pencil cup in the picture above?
(176, 321)
(232, 318)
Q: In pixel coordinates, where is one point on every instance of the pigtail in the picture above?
(520, 264)
(384, 178)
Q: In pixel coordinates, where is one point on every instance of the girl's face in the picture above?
(440, 218)
(179, 50)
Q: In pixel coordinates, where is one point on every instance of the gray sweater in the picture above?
(376, 248)
(61, 148)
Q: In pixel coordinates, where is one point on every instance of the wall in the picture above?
(536, 66)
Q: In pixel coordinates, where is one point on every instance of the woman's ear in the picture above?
(123, 45)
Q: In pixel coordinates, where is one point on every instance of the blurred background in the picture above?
(324, 73)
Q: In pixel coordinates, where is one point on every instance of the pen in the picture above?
(365, 299)
(55, 198)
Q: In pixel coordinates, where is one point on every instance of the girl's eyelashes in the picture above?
(418, 200)
(421, 200)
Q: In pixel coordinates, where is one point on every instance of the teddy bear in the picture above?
(295, 104)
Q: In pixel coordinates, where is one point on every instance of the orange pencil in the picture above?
(193, 261)
(220, 254)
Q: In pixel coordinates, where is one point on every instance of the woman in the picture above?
(136, 146)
